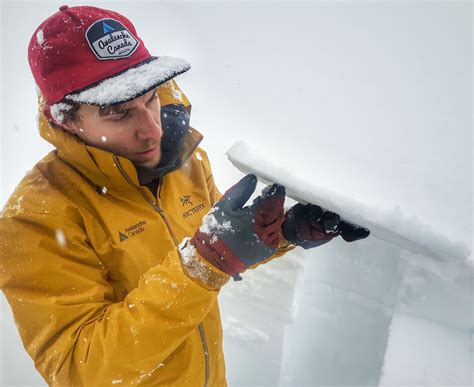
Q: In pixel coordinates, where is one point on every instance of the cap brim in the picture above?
(132, 83)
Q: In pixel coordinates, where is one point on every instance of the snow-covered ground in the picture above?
(363, 106)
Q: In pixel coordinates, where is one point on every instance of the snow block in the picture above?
(392, 225)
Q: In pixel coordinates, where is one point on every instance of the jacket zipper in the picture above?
(206, 352)
(175, 239)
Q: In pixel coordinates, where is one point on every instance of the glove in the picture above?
(233, 237)
(310, 226)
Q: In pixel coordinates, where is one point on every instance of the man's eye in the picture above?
(121, 116)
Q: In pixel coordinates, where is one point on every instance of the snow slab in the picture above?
(339, 335)
(428, 353)
(256, 312)
(394, 225)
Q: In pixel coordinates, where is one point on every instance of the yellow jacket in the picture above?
(91, 269)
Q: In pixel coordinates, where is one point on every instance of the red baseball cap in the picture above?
(95, 56)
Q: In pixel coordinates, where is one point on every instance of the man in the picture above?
(115, 246)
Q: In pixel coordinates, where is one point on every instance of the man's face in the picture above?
(132, 130)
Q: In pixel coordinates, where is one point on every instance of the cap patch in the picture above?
(109, 39)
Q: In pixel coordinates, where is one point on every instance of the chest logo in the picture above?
(131, 231)
(186, 201)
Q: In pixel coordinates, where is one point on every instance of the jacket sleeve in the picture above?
(63, 305)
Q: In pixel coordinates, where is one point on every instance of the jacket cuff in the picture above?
(197, 268)
(283, 247)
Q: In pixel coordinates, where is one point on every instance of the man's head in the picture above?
(99, 80)
(131, 129)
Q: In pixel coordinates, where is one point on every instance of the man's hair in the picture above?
(65, 111)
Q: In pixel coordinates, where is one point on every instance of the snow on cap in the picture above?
(132, 83)
(92, 55)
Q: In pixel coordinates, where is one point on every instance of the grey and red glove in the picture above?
(233, 237)
(310, 226)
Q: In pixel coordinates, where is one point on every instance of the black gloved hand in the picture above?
(310, 226)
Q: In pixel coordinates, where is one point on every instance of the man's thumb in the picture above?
(237, 195)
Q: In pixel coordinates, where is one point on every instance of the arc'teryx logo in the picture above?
(132, 231)
(186, 199)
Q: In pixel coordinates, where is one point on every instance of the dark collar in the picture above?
(173, 159)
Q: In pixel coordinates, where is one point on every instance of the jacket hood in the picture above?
(102, 168)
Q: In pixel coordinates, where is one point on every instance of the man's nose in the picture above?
(149, 126)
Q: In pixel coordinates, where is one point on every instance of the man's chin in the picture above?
(147, 161)
(148, 164)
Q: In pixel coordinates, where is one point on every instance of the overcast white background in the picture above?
(374, 99)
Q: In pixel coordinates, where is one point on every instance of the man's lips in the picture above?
(149, 154)
(149, 150)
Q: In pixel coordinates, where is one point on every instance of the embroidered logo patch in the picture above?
(109, 39)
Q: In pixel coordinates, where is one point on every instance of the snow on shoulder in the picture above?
(392, 225)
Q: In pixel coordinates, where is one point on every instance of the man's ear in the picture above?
(70, 127)
(67, 118)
